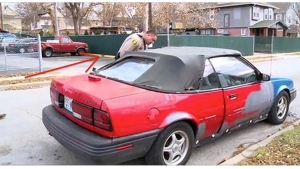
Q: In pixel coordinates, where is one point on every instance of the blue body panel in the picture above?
(280, 84)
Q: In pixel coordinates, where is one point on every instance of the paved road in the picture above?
(24, 140)
(30, 62)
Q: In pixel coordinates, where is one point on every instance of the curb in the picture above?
(252, 150)
(264, 59)
(5, 87)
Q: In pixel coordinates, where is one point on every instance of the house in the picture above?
(246, 19)
(12, 21)
(288, 14)
(43, 22)
(65, 24)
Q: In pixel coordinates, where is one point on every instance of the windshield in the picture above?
(127, 70)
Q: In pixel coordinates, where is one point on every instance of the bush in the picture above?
(86, 32)
(97, 32)
(41, 33)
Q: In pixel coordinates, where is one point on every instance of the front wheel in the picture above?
(47, 52)
(80, 50)
(173, 146)
(279, 110)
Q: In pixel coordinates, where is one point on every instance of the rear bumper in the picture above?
(92, 146)
(293, 94)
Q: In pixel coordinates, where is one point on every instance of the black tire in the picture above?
(73, 53)
(80, 50)
(47, 52)
(277, 115)
(156, 155)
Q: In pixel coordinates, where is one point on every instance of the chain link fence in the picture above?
(17, 55)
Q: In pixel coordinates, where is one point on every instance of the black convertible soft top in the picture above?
(176, 68)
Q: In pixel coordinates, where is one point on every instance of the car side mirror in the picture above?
(265, 77)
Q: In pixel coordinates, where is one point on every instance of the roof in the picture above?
(283, 7)
(175, 68)
(233, 4)
(184, 51)
(268, 24)
(294, 29)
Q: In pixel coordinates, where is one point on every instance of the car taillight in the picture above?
(56, 97)
(10, 45)
(84, 112)
(102, 120)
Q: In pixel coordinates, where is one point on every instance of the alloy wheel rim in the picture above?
(281, 107)
(175, 148)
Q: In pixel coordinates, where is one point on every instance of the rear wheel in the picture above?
(80, 50)
(173, 146)
(279, 110)
(47, 52)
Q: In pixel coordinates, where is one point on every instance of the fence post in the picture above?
(253, 44)
(272, 41)
(40, 53)
(4, 50)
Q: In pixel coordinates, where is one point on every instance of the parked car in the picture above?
(61, 44)
(4, 42)
(6, 34)
(22, 45)
(162, 103)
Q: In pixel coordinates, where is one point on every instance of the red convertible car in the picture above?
(162, 103)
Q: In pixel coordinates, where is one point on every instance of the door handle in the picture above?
(232, 96)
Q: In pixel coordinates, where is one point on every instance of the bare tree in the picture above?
(79, 10)
(108, 11)
(187, 13)
(32, 12)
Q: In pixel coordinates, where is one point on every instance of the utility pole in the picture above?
(1, 16)
(150, 15)
(146, 26)
(56, 19)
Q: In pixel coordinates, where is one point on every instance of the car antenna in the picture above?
(271, 64)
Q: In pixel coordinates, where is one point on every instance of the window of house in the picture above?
(46, 22)
(266, 14)
(226, 20)
(278, 17)
(211, 14)
(271, 14)
(12, 21)
(255, 13)
(243, 31)
(207, 32)
(289, 19)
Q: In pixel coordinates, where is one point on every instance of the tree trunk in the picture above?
(150, 15)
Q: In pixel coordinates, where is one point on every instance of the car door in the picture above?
(65, 45)
(209, 104)
(245, 98)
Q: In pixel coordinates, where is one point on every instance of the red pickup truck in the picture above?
(61, 44)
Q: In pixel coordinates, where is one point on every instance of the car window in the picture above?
(232, 71)
(128, 69)
(65, 40)
(209, 80)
